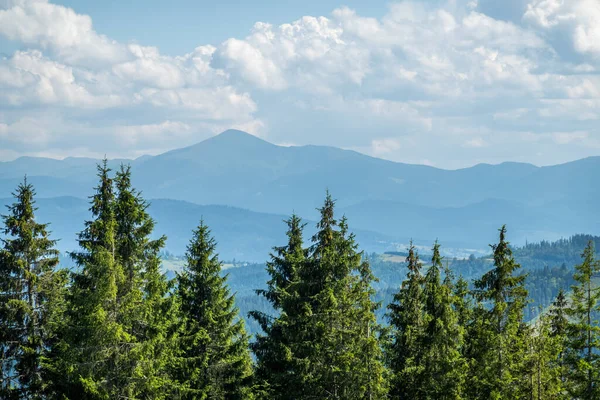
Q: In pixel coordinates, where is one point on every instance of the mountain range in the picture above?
(244, 186)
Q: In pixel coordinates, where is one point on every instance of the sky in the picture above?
(448, 83)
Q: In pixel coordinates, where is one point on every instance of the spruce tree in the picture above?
(326, 335)
(147, 310)
(544, 372)
(584, 330)
(339, 343)
(444, 368)
(463, 303)
(29, 284)
(406, 315)
(214, 362)
(100, 354)
(558, 314)
(120, 320)
(365, 360)
(559, 323)
(498, 335)
(276, 362)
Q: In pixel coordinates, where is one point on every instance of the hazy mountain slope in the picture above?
(241, 234)
(473, 225)
(248, 235)
(238, 169)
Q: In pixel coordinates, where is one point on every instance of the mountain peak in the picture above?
(230, 143)
(234, 136)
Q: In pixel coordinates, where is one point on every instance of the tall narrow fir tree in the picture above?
(29, 287)
(214, 362)
(584, 330)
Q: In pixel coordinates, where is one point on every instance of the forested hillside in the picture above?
(549, 267)
(332, 322)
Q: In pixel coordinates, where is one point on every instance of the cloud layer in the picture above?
(443, 83)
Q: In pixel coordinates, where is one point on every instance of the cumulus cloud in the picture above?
(309, 54)
(576, 18)
(442, 81)
(569, 137)
(129, 135)
(26, 131)
(475, 142)
(30, 78)
(67, 34)
(77, 74)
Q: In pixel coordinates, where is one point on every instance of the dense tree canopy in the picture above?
(114, 327)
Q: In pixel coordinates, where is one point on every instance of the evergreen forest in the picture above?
(326, 326)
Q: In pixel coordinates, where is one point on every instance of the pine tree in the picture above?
(444, 368)
(498, 335)
(275, 367)
(583, 329)
(407, 321)
(29, 283)
(213, 346)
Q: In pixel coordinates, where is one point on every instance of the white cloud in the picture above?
(428, 79)
(132, 135)
(150, 69)
(475, 143)
(30, 78)
(60, 29)
(571, 109)
(26, 131)
(576, 18)
(569, 137)
(252, 65)
(394, 110)
(586, 87)
(220, 103)
(71, 70)
(308, 54)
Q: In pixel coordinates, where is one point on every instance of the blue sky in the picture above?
(185, 24)
(449, 83)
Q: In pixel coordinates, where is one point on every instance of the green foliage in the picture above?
(424, 352)
(407, 321)
(149, 313)
(444, 368)
(559, 323)
(99, 358)
(497, 332)
(30, 291)
(583, 329)
(119, 320)
(118, 329)
(213, 358)
(275, 349)
(325, 340)
(545, 379)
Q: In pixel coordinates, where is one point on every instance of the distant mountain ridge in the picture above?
(400, 200)
(240, 234)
